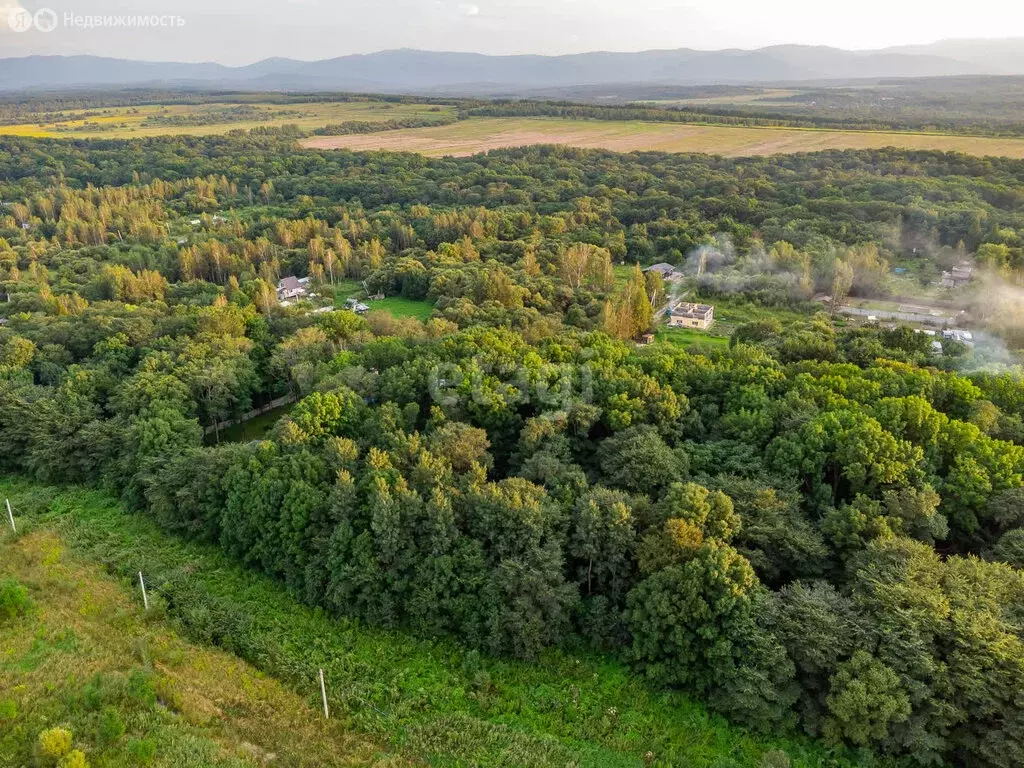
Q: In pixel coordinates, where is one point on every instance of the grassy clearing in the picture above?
(733, 312)
(431, 699)
(469, 137)
(130, 690)
(689, 339)
(396, 306)
(255, 429)
(131, 122)
(622, 273)
(399, 306)
(344, 289)
(761, 97)
(729, 313)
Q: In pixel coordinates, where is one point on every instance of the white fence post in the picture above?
(10, 514)
(323, 694)
(145, 599)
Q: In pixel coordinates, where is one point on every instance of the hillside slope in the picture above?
(85, 657)
(432, 700)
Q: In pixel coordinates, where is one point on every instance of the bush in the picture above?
(142, 750)
(74, 759)
(14, 600)
(110, 727)
(55, 743)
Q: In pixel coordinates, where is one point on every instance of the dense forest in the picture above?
(979, 105)
(814, 527)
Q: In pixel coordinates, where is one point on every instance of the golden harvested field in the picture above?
(480, 135)
(764, 97)
(206, 119)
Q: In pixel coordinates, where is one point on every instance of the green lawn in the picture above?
(434, 700)
(399, 306)
(684, 337)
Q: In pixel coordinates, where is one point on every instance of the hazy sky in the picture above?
(242, 31)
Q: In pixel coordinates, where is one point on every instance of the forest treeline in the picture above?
(812, 528)
(377, 126)
(749, 115)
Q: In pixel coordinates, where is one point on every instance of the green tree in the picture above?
(865, 701)
(687, 619)
(638, 460)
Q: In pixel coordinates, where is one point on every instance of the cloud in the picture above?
(468, 9)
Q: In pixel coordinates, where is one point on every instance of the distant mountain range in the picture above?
(412, 71)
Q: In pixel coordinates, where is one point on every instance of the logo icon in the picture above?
(45, 20)
(19, 20)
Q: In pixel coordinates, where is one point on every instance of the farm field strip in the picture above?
(131, 122)
(470, 137)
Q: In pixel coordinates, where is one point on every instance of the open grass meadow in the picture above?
(399, 306)
(255, 428)
(691, 339)
(224, 668)
(469, 137)
(733, 311)
(396, 306)
(214, 118)
(85, 670)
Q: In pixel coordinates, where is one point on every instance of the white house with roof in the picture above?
(688, 315)
(291, 287)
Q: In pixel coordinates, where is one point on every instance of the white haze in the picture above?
(243, 31)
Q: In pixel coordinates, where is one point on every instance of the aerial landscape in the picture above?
(512, 384)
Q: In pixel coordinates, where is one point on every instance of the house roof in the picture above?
(662, 268)
(288, 283)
